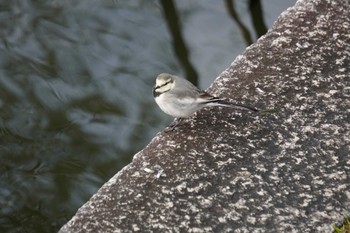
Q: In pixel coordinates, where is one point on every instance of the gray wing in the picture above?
(185, 88)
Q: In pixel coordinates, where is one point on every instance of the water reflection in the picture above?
(179, 46)
(75, 94)
(232, 12)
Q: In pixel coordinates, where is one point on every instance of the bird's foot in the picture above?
(175, 123)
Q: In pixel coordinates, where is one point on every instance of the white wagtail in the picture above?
(179, 98)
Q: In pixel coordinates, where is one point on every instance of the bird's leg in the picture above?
(174, 124)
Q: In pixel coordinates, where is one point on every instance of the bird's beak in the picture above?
(155, 90)
(155, 87)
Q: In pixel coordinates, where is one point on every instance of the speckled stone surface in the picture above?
(286, 170)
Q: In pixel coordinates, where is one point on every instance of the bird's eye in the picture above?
(165, 83)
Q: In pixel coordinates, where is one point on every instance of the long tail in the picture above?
(225, 103)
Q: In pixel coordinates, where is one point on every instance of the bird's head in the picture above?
(164, 82)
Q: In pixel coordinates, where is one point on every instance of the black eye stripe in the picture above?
(164, 84)
(156, 92)
(167, 83)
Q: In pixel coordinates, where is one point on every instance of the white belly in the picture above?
(176, 107)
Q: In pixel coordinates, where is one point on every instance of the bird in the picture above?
(179, 98)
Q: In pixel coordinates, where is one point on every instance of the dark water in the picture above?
(75, 90)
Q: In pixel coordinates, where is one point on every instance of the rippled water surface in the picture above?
(75, 90)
